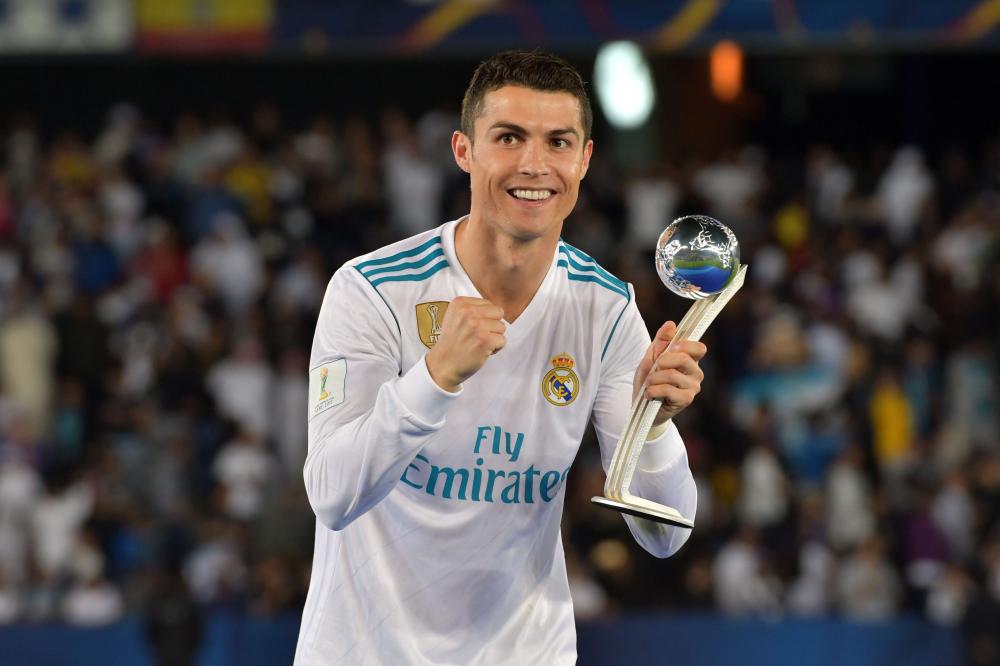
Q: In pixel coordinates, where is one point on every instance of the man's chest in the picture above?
(528, 405)
(531, 401)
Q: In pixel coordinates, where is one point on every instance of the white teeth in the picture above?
(533, 195)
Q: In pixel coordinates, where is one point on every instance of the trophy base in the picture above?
(665, 515)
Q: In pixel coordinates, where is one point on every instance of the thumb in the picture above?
(663, 338)
(656, 347)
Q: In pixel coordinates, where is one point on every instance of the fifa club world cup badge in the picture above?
(324, 375)
(430, 317)
(560, 384)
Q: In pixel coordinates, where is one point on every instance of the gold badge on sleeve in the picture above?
(430, 317)
(560, 384)
(327, 386)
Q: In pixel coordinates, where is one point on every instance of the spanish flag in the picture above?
(199, 26)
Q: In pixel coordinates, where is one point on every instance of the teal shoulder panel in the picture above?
(364, 265)
(411, 277)
(583, 261)
(582, 272)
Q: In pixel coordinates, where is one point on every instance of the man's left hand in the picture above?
(673, 375)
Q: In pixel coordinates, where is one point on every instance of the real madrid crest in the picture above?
(560, 384)
(430, 317)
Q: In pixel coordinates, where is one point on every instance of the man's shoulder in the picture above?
(583, 273)
(598, 295)
(411, 259)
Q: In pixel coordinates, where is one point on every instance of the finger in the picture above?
(671, 395)
(682, 362)
(476, 307)
(496, 342)
(459, 303)
(663, 337)
(673, 378)
(494, 325)
(666, 332)
(659, 343)
(487, 310)
(689, 348)
(692, 348)
(469, 300)
(645, 365)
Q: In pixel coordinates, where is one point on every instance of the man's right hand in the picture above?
(472, 331)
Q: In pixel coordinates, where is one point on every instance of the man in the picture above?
(452, 377)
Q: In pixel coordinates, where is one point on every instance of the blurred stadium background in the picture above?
(179, 179)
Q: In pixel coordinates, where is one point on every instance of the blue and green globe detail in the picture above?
(707, 278)
(697, 256)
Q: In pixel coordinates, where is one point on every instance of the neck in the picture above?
(507, 271)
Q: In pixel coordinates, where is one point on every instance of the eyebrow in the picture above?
(520, 130)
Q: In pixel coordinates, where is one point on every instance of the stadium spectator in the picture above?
(867, 586)
(743, 583)
(241, 386)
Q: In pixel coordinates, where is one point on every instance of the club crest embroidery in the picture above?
(561, 385)
(430, 317)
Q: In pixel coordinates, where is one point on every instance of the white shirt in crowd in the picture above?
(867, 586)
(229, 261)
(650, 203)
(849, 512)
(243, 468)
(763, 488)
(413, 187)
(93, 603)
(241, 386)
(20, 489)
(742, 587)
(903, 192)
(56, 524)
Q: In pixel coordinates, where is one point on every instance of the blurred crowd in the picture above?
(159, 285)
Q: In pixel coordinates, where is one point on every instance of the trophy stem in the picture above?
(626, 456)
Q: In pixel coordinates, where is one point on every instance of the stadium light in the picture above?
(624, 84)
(726, 65)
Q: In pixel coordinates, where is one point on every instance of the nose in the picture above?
(534, 159)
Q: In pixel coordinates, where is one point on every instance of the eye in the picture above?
(560, 143)
(508, 139)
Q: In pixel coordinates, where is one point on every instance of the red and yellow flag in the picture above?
(186, 26)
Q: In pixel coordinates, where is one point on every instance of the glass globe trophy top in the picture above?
(697, 256)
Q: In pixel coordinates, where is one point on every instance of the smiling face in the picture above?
(525, 162)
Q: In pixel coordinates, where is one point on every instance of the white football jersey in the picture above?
(437, 536)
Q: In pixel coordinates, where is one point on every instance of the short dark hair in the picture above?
(528, 69)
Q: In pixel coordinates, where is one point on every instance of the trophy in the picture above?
(697, 257)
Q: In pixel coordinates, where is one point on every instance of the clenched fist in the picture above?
(472, 331)
(670, 372)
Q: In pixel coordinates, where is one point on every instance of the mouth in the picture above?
(531, 195)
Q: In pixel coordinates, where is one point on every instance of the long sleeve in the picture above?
(662, 474)
(367, 421)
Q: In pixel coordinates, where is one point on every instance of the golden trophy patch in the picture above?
(430, 318)
(560, 384)
(327, 386)
(324, 375)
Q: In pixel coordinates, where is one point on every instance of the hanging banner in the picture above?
(203, 26)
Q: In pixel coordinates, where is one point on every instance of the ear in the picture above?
(588, 150)
(461, 148)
